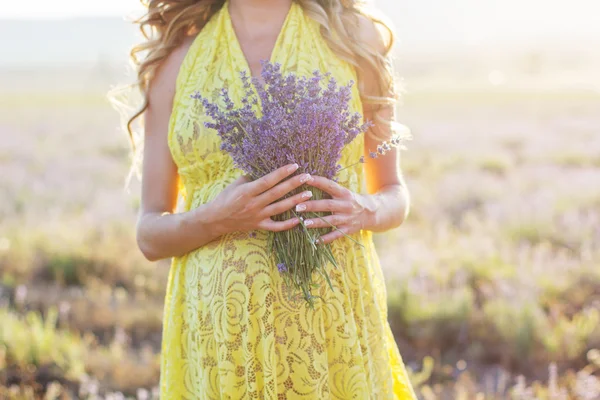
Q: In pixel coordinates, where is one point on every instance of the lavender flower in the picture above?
(386, 147)
(286, 119)
(305, 120)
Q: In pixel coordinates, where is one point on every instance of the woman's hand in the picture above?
(248, 205)
(351, 211)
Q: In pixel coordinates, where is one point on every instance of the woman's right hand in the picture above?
(248, 205)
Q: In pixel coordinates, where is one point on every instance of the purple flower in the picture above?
(385, 147)
(285, 119)
(362, 159)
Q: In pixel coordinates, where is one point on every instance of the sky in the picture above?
(471, 19)
(36, 9)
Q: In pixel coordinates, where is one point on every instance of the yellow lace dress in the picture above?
(229, 330)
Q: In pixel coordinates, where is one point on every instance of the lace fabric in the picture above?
(230, 331)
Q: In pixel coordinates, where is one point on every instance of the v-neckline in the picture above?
(238, 47)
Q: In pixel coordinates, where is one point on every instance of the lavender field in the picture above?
(493, 282)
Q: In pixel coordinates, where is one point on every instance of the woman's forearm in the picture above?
(166, 235)
(387, 208)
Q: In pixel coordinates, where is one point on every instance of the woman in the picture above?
(230, 332)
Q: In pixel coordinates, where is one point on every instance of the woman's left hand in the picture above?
(351, 211)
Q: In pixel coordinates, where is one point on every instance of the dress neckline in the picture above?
(237, 47)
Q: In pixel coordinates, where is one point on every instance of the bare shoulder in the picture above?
(162, 85)
(375, 33)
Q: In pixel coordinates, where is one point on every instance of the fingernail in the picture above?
(293, 168)
(308, 222)
(307, 195)
(305, 178)
(300, 207)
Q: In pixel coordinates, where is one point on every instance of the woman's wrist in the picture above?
(205, 218)
(386, 209)
(370, 206)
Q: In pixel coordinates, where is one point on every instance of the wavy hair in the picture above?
(168, 22)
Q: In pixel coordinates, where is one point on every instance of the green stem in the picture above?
(305, 229)
(349, 166)
(339, 230)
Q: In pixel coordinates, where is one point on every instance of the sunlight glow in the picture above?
(464, 21)
(42, 9)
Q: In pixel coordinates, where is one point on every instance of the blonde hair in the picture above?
(168, 22)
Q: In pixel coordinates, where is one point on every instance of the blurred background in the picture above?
(493, 282)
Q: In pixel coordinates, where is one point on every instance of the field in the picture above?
(493, 282)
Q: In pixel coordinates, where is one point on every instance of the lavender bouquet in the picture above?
(283, 120)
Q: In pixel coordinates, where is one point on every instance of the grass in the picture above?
(34, 353)
(496, 165)
(576, 160)
(37, 358)
(493, 282)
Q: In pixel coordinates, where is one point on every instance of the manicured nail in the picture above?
(301, 207)
(308, 222)
(293, 168)
(307, 195)
(305, 178)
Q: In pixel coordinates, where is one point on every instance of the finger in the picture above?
(329, 186)
(336, 234)
(282, 189)
(278, 226)
(241, 180)
(329, 205)
(268, 181)
(287, 204)
(327, 221)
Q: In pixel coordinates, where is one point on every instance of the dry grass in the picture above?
(494, 289)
